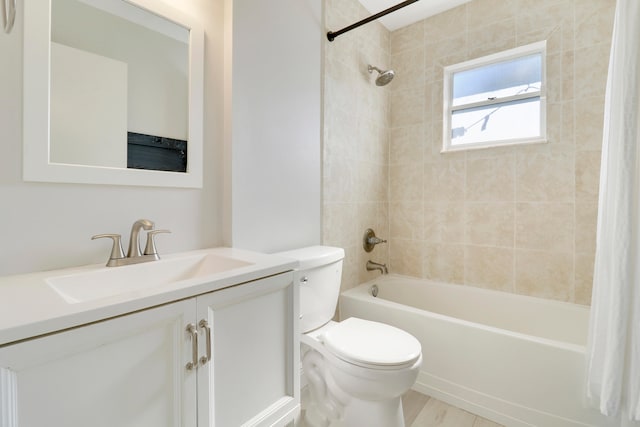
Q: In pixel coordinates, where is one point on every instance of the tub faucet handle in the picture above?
(376, 240)
(369, 240)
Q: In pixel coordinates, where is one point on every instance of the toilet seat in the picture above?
(371, 344)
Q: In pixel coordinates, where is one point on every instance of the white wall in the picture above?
(46, 226)
(273, 123)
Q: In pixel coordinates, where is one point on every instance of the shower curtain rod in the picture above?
(332, 35)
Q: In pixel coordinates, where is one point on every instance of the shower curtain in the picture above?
(613, 353)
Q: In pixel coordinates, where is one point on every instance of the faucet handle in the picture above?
(375, 240)
(116, 249)
(369, 240)
(150, 247)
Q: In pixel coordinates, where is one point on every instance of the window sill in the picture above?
(497, 144)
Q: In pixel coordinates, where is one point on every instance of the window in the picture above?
(496, 100)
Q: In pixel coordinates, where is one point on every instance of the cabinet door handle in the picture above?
(192, 330)
(207, 330)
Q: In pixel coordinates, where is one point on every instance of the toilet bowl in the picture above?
(356, 369)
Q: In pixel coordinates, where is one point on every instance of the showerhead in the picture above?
(384, 77)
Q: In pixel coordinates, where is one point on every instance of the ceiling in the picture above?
(408, 15)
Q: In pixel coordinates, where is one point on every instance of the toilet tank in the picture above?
(318, 274)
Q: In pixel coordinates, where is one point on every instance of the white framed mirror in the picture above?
(113, 93)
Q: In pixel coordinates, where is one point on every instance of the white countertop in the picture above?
(30, 307)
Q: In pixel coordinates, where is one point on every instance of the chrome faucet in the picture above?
(375, 266)
(134, 255)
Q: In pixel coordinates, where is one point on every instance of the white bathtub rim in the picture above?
(503, 294)
(361, 292)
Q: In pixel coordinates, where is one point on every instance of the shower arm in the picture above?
(331, 35)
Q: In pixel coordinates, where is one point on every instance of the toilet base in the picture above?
(386, 413)
(360, 413)
(326, 404)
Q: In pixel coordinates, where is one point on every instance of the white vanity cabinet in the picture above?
(252, 378)
(132, 370)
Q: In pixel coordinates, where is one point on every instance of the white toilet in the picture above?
(357, 370)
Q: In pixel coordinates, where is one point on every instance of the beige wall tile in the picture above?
(340, 136)
(405, 257)
(447, 51)
(372, 215)
(338, 229)
(444, 222)
(374, 138)
(350, 276)
(438, 27)
(372, 183)
(489, 267)
(591, 67)
(567, 76)
(407, 107)
(406, 182)
(444, 262)
(407, 38)
(586, 224)
(492, 38)
(545, 177)
(407, 220)
(584, 278)
(534, 15)
(554, 128)
(434, 141)
(437, 102)
(594, 22)
(587, 175)
(483, 12)
(444, 181)
(339, 179)
(490, 224)
(490, 179)
(555, 78)
(408, 144)
(568, 123)
(552, 35)
(545, 226)
(408, 66)
(544, 274)
(589, 121)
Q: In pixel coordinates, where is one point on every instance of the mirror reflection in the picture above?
(119, 91)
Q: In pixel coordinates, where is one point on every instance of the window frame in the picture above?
(449, 109)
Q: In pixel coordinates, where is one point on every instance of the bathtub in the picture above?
(517, 360)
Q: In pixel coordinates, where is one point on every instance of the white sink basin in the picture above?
(110, 281)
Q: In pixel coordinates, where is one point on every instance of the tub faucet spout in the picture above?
(376, 266)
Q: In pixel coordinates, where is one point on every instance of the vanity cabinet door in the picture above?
(124, 372)
(252, 377)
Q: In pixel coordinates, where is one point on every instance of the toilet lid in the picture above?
(367, 343)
